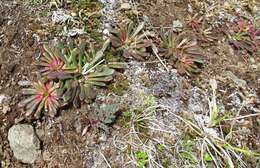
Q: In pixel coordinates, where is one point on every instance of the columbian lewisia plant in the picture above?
(42, 97)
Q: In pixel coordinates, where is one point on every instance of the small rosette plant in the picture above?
(42, 97)
(131, 41)
(182, 51)
(244, 35)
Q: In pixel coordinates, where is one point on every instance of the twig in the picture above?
(104, 158)
(241, 117)
(155, 51)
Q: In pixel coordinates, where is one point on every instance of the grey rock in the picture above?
(24, 83)
(197, 102)
(163, 84)
(75, 31)
(177, 25)
(103, 138)
(125, 6)
(60, 16)
(2, 98)
(24, 143)
(40, 134)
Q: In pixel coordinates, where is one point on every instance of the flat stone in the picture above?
(24, 143)
(2, 98)
(125, 6)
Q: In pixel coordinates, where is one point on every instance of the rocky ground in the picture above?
(154, 112)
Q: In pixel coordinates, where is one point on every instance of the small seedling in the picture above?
(141, 158)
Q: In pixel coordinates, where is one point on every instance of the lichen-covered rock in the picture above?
(24, 143)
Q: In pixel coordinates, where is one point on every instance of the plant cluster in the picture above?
(244, 35)
(106, 114)
(214, 148)
(69, 74)
(182, 50)
(74, 71)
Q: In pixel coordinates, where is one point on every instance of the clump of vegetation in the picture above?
(130, 41)
(75, 73)
(87, 14)
(141, 158)
(120, 85)
(183, 51)
(138, 117)
(214, 149)
(194, 22)
(186, 151)
(107, 113)
(244, 35)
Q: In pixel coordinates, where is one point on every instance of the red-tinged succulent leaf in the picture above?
(51, 61)
(86, 92)
(67, 95)
(72, 92)
(40, 107)
(31, 109)
(28, 91)
(253, 32)
(76, 100)
(90, 92)
(101, 79)
(138, 55)
(186, 65)
(82, 94)
(194, 22)
(105, 73)
(96, 83)
(53, 110)
(31, 106)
